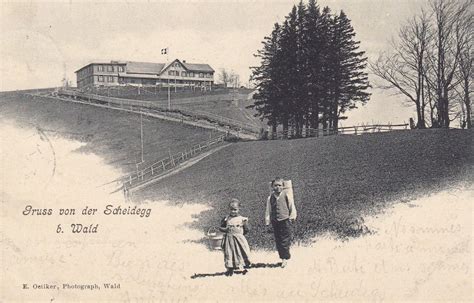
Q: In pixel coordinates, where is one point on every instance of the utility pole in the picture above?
(169, 95)
(175, 73)
(141, 134)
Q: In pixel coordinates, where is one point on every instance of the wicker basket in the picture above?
(215, 238)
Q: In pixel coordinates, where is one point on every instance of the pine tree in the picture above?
(349, 80)
(266, 76)
(317, 52)
(301, 101)
(288, 61)
(311, 70)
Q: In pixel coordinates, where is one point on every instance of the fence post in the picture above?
(355, 130)
(152, 170)
(163, 164)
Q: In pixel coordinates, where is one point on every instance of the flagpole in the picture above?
(169, 99)
(169, 92)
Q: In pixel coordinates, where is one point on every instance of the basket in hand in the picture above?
(215, 238)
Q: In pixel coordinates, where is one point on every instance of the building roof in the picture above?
(144, 67)
(197, 67)
(133, 67)
(102, 62)
(141, 75)
(194, 67)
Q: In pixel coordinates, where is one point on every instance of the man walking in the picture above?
(280, 211)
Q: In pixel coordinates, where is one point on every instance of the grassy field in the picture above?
(335, 179)
(113, 135)
(161, 93)
(222, 102)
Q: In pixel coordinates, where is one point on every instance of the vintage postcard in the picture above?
(236, 151)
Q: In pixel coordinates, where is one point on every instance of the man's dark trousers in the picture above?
(282, 232)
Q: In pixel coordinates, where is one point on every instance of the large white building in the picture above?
(175, 74)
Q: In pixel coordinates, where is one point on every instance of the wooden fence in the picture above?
(150, 106)
(347, 130)
(167, 164)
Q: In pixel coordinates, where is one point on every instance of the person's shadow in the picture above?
(253, 266)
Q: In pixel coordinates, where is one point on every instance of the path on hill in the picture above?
(180, 167)
(158, 116)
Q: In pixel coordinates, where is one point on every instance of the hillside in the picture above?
(335, 178)
(224, 102)
(112, 135)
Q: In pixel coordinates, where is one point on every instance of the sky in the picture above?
(42, 42)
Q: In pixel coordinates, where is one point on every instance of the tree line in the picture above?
(430, 63)
(311, 70)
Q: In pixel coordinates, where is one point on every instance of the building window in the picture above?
(100, 68)
(183, 74)
(176, 64)
(101, 79)
(201, 75)
(110, 68)
(191, 74)
(120, 69)
(111, 79)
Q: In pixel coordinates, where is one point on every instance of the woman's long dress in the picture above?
(235, 246)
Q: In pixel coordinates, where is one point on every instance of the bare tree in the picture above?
(404, 69)
(449, 34)
(225, 77)
(431, 62)
(234, 79)
(464, 74)
(229, 78)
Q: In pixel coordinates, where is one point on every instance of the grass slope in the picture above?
(113, 135)
(335, 178)
(223, 102)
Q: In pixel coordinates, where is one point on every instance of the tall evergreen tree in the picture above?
(349, 81)
(325, 34)
(314, 44)
(268, 96)
(288, 61)
(311, 70)
(301, 102)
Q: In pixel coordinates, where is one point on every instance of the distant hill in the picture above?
(113, 135)
(336, 179)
